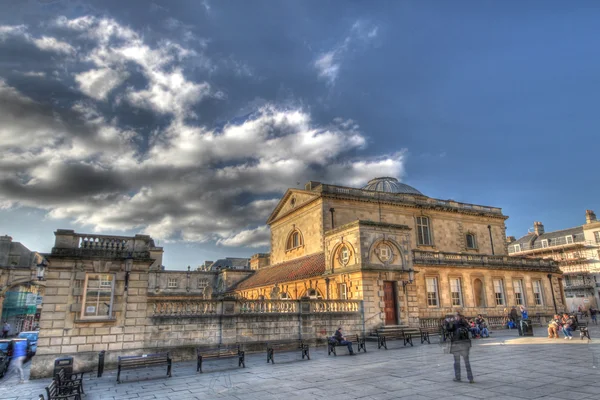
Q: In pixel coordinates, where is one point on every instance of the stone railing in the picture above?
(582, 283)
(181, 308)
(268, 306)
(185, 308)
(440, 258)
(409, 198)
(493, 321)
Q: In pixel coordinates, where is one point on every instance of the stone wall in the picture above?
(178, 326)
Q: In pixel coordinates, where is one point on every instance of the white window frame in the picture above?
(423, 230)
(202, 283)
(538, 292)
(344, 255)
(517, 248)
(172, 283)
(343, 291)
(567, 238)
(544, 243)
(431, 283)
(467, 241)
(518, 284)
(111, 285)
(597, 236)
(294, 240)
(499, 290)
(456, 289)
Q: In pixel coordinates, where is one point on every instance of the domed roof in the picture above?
(390, 185)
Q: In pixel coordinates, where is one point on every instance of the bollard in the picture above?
(101, 363)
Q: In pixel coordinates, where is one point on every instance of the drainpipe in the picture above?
(552, 289)
(491, 240)
(332, 210)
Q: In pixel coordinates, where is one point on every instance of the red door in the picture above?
(390, 304)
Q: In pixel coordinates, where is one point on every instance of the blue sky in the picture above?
(187, 120)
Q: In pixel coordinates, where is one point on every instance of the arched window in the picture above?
(423, 232)
(344, 255)
(479, 293)
(471, 241)
(294, 240)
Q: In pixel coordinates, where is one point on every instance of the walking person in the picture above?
(460, 345)
(18, 357)
(593, 313)
(341, 339)
(5, 329)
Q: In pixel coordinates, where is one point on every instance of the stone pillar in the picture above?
(1, 305)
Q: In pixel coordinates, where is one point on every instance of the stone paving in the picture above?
(505, 367)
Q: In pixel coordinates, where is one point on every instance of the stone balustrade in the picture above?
(421, 257)
(164, 308)
(493, 321)
(101, 242)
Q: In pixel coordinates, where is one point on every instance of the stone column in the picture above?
(1, 305)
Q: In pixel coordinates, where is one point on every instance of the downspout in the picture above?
(552, 289)
(332, 210)
(491, 240)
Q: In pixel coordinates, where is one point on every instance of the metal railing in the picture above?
(561, 241)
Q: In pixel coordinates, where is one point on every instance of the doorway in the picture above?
(390, 300)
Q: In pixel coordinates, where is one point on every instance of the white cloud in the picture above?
(98, 83)
(327, 66)
(51, 44)
(251, 237)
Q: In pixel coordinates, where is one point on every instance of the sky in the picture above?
(188, 120)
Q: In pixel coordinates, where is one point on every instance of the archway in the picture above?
(20, 304)
(479, 293)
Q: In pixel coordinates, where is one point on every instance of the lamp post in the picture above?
(41, 269)
(411, 279)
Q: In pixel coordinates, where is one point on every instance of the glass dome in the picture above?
(390, 185)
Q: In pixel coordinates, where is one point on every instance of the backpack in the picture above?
(574, 325)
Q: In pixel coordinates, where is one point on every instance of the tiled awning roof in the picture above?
(294, 270)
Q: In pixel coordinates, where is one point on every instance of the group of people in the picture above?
(478, 327)
(565, 324)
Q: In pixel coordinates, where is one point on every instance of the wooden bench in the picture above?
(297, 344)
(584, 331)
(427, 331)
(332, 344)
(143, 361)
(382, 339)
(221, 351)
(57, 392)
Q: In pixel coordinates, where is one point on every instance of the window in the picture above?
(517, 248)
(569, 239)
(343, 290)
(519, 295)
(499, 291)
(544, 243)
(172, 283)
(597, 236)
(537, 293)
(471, 243)
(344, 255)
(202, 283)
(423, 234)
(294, 240)
(98, 296)
(432, 292)
(455, 291)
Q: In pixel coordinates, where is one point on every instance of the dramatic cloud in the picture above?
(131, 150)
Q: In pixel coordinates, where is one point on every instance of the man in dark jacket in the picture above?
(460, 345)
(341, 339)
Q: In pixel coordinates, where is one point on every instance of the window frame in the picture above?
(85, 297)
(539, 285)
(597, 236)
(545, 243)
(474, 240)
(517, 248)
(436, 291)
(569, 237)
(202, 283)
(459, 301)
(169, 280)
(501, 292)
(344, 260)
(343, 294)
(521, 292)
(423, 228)
(294, 240)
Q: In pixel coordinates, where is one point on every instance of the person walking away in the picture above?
(568, 326)
(553, 327)
(460, 345)
(593, 313)
(18, 357)
(341, 339)
(5, 329)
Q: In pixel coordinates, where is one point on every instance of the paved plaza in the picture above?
(505, 367)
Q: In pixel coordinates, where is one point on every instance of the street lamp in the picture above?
(411, 278)
(41, 269)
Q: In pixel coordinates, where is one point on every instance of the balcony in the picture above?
(71, 244)
(440, 258)
(581, 283)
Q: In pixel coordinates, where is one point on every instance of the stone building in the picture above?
(577, 251)
(409, 257)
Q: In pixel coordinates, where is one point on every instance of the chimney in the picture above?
(510, 239)
(538, 228)
(259, 260)
(6, 238)
(590, 216)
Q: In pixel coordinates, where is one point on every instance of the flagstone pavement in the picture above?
(505, 367)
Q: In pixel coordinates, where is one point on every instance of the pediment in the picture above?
(292, 200)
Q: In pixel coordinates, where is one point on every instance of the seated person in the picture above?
(341, 340)
(553, 327)
(482, 325)
(474, 329)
